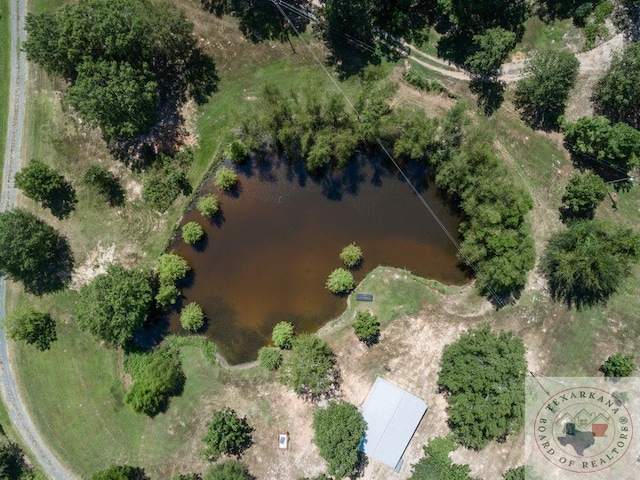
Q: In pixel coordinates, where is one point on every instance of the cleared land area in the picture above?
(76, 390)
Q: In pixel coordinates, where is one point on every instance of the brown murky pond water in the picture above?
(267, 256)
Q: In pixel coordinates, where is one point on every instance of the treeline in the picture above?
(324, 133)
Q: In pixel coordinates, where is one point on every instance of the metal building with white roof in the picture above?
(392, 417)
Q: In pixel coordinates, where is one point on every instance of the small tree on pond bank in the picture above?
(270, 358)
(282, 335)
(172, 268)
(225, 179)
(208, 206)
(340, 281)
(367, 327)
(192, 232)
(192, 317)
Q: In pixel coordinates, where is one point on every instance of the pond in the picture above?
(266, 258)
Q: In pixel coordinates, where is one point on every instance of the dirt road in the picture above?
(8, 388)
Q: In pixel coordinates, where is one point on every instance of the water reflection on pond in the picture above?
(267, 257)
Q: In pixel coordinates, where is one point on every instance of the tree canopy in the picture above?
(616, 94)
(47, 187)
(586, 263)
(541, 96)
(227, 433)
(618, 365)
(482, 374)
(282, 334)
(582, 196)
(339, 429)
(124, 59)
(228, 470)
(121, 472)
(436, 464)
(309, 370)
(114, 305)
(33, 252)
(32, 327)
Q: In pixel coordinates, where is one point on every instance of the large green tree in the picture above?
(121, 472)
(482, 374)
(582, 196)
(117, 97)
(586, 263)
(227, 433)
(309, 370)
(479, 16)
(492, 48)
(616, 94)
(46, 186)
(32, 327)
(436, 464)
(541, 96)
(339, 429)
(114, 305)
(228, 470)
(33, 252)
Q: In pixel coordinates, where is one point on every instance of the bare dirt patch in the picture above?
(98, 261)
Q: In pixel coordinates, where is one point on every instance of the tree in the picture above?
(542, 95)
(192, 232)
(616, 94)
(167, 295)
(12, 462)
(595, 142)
(43, 184)
(482, 375)
(114, 305)
(586, 263)
(492, 49)
(32, 327)
(340, 281)
(226, 434)
(270, 358)
(309, 370)
(172, 268)
(157, 375)
(282, 335)
(237, 152)
(618, 365)
(208, 206)
(582, 195)
(367, 327)
(436, 464)
(105, 182)
(116, 96)
(225, 178)
(228, 470)
(33, 252)
(121, 472)
(338, 431)
(188, 476)
(162, 187)
(192, 317)
(351, 255)
(518, 473)
(477, 17)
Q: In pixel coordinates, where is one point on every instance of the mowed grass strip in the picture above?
(5, 74)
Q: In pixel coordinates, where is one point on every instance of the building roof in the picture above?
(392, 417)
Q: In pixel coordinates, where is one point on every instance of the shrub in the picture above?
(618, 365)
(582, 196)
(367, 327)
(351, 255)
(208, 206)
(282, 335)
(225, 178)
(270, 358)
(226, 433)
(172, 268)
(192, 232)
(162, 187)
(32, 327)
(167, 295)
(105, 182)
(340, 281)
(157, 375)
(237, 152)
(192, 317)
(47, 187)
(121, 472)
(228, 470)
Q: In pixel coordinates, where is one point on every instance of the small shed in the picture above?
(392, 417)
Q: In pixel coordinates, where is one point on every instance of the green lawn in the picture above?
(5, 77)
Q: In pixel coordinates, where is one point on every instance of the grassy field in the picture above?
(5, 54)
(76, 390)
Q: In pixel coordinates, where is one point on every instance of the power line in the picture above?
(495, 296)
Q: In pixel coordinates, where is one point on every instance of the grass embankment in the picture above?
(5, 77)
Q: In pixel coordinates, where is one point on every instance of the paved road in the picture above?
(10, 395)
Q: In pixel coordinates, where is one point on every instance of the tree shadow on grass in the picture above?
(490, 94)
(57, 275)
(62, 201)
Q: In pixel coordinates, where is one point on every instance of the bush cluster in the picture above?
(270, 358)
(225, 178)
(227, 433)
(208, 205)
(340, 281)
(366, 327)
(351, 255)
(192, 317)
(192, 232)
